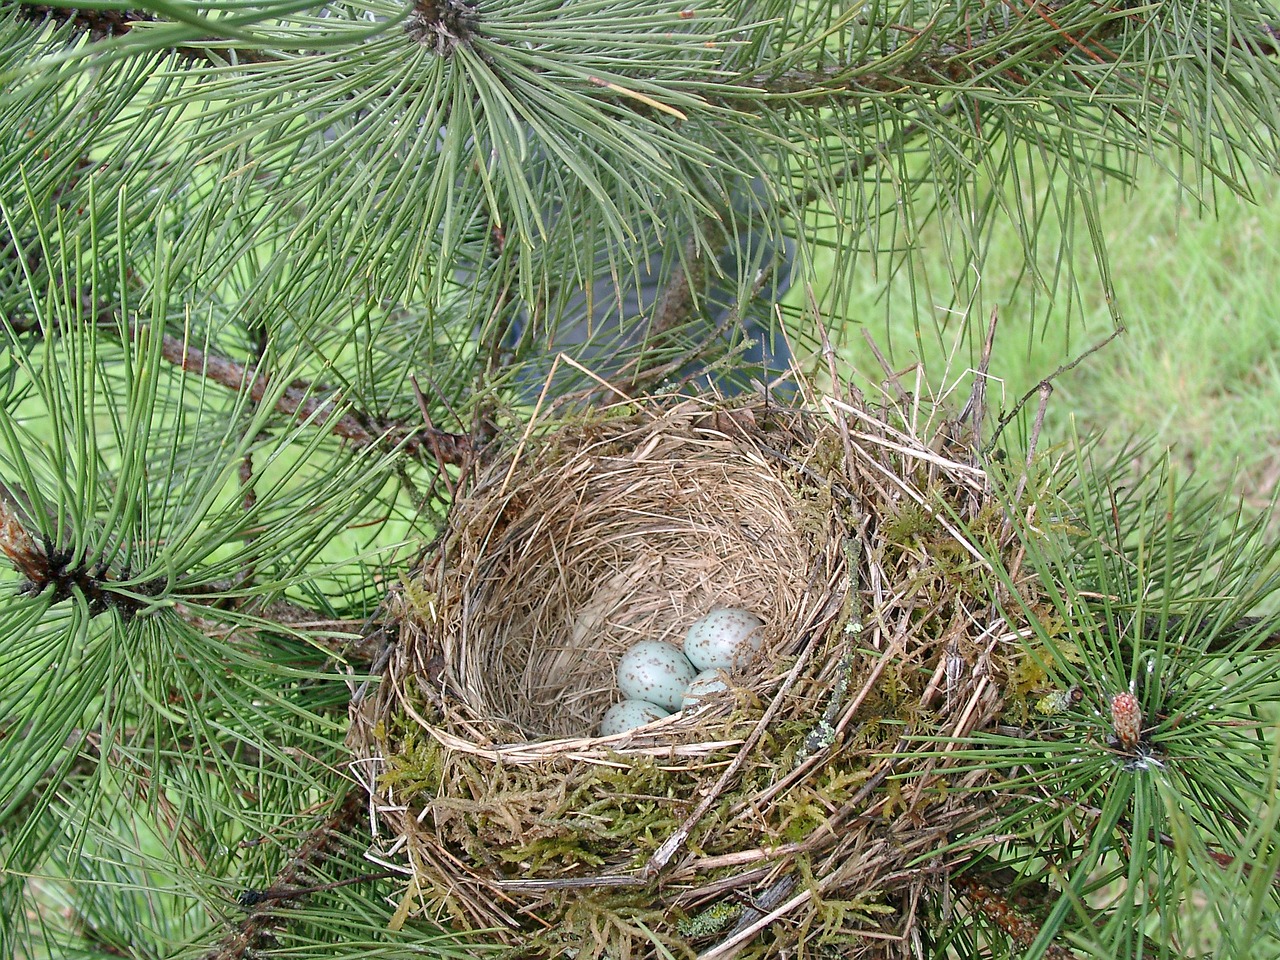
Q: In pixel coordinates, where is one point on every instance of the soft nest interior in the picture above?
(576, 559)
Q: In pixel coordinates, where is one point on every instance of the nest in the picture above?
(809, 807)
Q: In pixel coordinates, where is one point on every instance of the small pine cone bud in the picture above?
(1126, 719)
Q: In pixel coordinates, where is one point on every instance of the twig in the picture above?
(316, 401)
(249, 933)
(249, 572)
(43, 566)
(442, 474)
(975, 408)
(777, 892)
(1048, 382)
(676, 302)
(729, 946)
(1046, 391)
(638, 378)
(309, 400)
(251, 898)
(890, 375)
(282, 617)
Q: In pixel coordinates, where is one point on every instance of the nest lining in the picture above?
(565, 566)
(564, 553)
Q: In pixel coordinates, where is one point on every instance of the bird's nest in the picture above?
(809, 807)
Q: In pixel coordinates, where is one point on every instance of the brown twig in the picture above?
(282, 617)
(1047, 382)
(441, 475)
(637, 378)
(975, 408)
(300, 398)
(677, 300)
(317, 402)
(99, 24)
(251, 898)
(249, 933)
(1045, 390)
(102, 24)
(431, 25)
(249, 572)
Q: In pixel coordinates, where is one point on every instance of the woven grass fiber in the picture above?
(807, 811)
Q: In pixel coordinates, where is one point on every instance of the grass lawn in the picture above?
(1198, 368)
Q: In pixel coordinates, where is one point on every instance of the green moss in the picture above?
(905, 527)
(415, 769)
(713, 919)
(565, 849)
(420, 601)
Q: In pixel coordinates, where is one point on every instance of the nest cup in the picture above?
(480, 745)
(609, 536)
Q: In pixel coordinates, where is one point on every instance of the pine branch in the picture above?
(98, 23)
(252, 898)
(442, 24)
(300, 398)
(45, 566)
(677, 302)
(637, 375)
(948, 57)
(16, 540)
(283, 617)
(246, 576)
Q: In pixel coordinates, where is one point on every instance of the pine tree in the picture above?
(272, 274)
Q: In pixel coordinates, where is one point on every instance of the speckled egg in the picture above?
(656, 671)
(706, 684)
(630, 714)
(724, 639)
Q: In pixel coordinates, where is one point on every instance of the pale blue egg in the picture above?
(706, 684)
(656, 671)
(724, 639)
(630, 714)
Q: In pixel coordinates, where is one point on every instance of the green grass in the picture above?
(1198, 368)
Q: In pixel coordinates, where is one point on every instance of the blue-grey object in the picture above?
(605, 331)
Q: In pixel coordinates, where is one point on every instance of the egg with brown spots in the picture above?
(725, 639)
(630, 714)
(705, 685)
(656, 671)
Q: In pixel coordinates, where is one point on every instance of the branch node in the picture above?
(442, 24)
